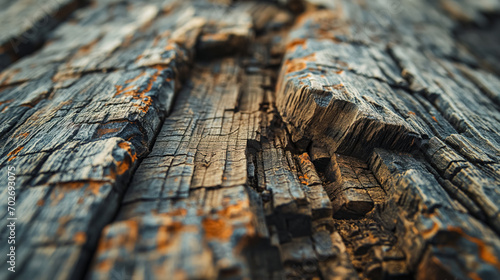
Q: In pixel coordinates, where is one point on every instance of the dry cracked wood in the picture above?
(252, 140)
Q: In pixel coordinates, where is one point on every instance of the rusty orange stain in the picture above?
(13, 154)
(5, 102)
(434, 118)
(123, 166)
(94, 187)
(23, 135)
(221, 227)
(216, 37)
(87, 48)
(298, 64)
(132, 90)
(295, 43)
(165, 235)
(104, 131)
(473, 275)
(304, 158)
(104, 266)
(484, 251)
(217, 229)
(80, 238)
(411, 113)
(40, 202)
(432, 231)
(126, 240)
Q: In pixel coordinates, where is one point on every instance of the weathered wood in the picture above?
(252, 140)
(26, 24)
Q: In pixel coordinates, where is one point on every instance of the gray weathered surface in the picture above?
(254, 140)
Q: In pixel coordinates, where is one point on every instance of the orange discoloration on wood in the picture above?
(217, 37)
(473, 275)
(298, 64)
(217, 229)
(5, 102)
(13, 154)
(84, 50)
(292, 46)
(132, 90)
(80, 238)
(104, 266)
(22, 135)
(123, 166)
(40, 202)
(432, 231)
(304, 158)
(222, 228)
(104, 131)
(485, 252)
(94, 187)
(411, 113)
(434, 118)
(166, 234)
(125, 239)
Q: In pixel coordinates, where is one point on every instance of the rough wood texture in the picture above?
(252, 140)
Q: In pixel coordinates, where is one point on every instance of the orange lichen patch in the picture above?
(221, 227)
(40, 202)
(485, 253)
(304, 158)
(411, 113)
(473, 275)
(84, 50)
(216, 37)
(295, 43)
(95, 187)
(5, 102)
(339, 71)
(23, 135)
(123, 166)
(166, 234)
(432, 231)
(104, 131)
(434, 118)
(80, 238)
(217, 229)
(132, 90)
(298, 64)
(104, 266)
(126, 238)
(170, 47)
(308, 76)
(120, 89)
(13, 154)
(302, 181)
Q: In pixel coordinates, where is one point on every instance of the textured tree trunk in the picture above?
(330, 139)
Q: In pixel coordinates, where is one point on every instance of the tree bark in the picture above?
(252, 140)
